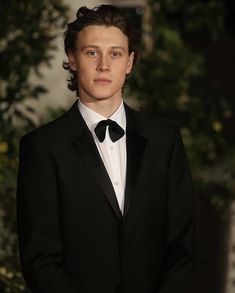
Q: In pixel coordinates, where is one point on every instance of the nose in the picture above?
(103, 64)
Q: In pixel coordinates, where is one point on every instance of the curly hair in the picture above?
(107, 15)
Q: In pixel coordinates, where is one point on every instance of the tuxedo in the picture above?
(73, 237)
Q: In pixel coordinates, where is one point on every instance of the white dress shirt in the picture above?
(112, 153)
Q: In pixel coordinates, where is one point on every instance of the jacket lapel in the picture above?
(86, 149)
(136, 143)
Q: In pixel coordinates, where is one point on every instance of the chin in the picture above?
(104, 96)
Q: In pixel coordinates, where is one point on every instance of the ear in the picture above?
(71, 60)
(130, 62)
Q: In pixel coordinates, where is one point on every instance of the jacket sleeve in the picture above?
(180, 234)
(38, 220)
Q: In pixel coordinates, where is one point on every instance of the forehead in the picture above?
(100, 35)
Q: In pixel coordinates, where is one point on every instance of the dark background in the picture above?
(192, 56)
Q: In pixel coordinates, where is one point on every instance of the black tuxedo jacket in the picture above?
(72, 235)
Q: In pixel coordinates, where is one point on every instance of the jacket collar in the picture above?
(85, 147)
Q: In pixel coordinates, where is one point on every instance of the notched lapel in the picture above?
(136, 143)
(86, 148)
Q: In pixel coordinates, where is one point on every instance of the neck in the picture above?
(104, 107)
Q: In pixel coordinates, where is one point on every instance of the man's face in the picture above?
(102, 61)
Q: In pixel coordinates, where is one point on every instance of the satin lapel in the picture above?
(136, 143)
(86, 148)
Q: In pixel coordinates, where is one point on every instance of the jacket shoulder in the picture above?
(50, 132)
(153, 125)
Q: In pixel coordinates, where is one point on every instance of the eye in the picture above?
(91, 53)
(116, 54)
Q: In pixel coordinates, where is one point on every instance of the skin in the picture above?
(102, 61)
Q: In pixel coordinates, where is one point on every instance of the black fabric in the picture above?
(72, 235)
(115, 130)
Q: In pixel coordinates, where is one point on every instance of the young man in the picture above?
(104, 195)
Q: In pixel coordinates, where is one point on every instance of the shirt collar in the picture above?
(92, 118)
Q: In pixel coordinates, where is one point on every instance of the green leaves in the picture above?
(27, 33)
(171, 80)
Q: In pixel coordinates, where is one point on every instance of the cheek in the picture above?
(84, 72)
(124, 68)
(84, 81)
(86, 67)
(121, 74)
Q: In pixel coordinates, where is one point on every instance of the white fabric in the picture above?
(113, 154)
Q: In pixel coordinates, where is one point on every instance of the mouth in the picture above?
(102, 81)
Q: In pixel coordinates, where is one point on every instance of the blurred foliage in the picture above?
(175, 85)
(27, 33)
(172, 81)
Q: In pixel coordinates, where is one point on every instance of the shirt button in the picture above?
(116, 183)
(111, 148)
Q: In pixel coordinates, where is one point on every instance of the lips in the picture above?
(102, 80)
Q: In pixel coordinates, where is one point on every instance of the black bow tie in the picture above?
(115, 131)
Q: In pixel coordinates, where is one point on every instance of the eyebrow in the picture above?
(97, 47)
